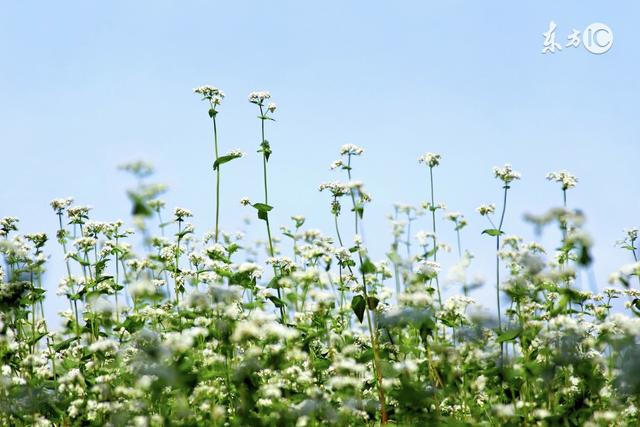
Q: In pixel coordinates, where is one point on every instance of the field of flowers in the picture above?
(166, 326)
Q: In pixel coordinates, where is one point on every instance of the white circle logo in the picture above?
(597, 38)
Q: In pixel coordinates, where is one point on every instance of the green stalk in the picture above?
(504, 208)
(66, 260)
(266, 202)
(433, 224)
(377, 365)
(215, 143)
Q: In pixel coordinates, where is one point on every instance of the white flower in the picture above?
(337, 164)
(486, 209)
(480, 383)
(428, 269)
(563, 177)
(430, 159)
(424, 237)
(142, 288)
(254, 270)
(211, 93)
(245, 201)
(59, 205)
(103, 346)
(259, 97)
(506, 173)
(181, 213)
(351, 150)
(336, 188)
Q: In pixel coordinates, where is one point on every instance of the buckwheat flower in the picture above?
(428, 269)
(430, 159)
(181, 213)
(196, 258)
(284, 264)
(142, 289)
(506, 174)
(351, 150)
(541, 413)
(504, 410)
(336, 188)
(486, 209)
(424, 237)
(8, 224)
(210, 93)
(103, 345)
(85, 243)
(38, 239)
(245, 201)
(563, 177)
(632, 233)
(299, 220)
(77, 214)
(336, 164)
(429, 207)
(259, 97)
(271, 107)
(156, 204)
(254, 270)
(60, 205)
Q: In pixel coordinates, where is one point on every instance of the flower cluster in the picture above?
(506, 174)
(210, 93)
(563, 177)
(430, 159)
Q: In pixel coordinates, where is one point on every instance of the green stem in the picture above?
(353, 196)
(504, 208)
(266, 202)
(215, 143)
(66, 260)
(433, 226)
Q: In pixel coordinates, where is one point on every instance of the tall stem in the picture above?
(66, 260)
(215, 144)
(353, 196)
(266, 202)
(376, 351)
(433, 224)
(377, 364)
(504, 208)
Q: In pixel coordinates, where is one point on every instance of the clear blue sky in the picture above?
(88, 85)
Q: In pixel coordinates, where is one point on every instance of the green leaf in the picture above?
(263, 210)
(367, 266)
(64, 344)
(276, 301)
(224, 159)
(358, 306)
(262, 207)
(34, 339)
(373, 302)
(426, 328)
(509, 335)
(265, 148)
(493, 232)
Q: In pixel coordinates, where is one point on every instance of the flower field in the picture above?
(168, 326)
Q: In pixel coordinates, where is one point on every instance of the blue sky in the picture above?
(89, 85)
